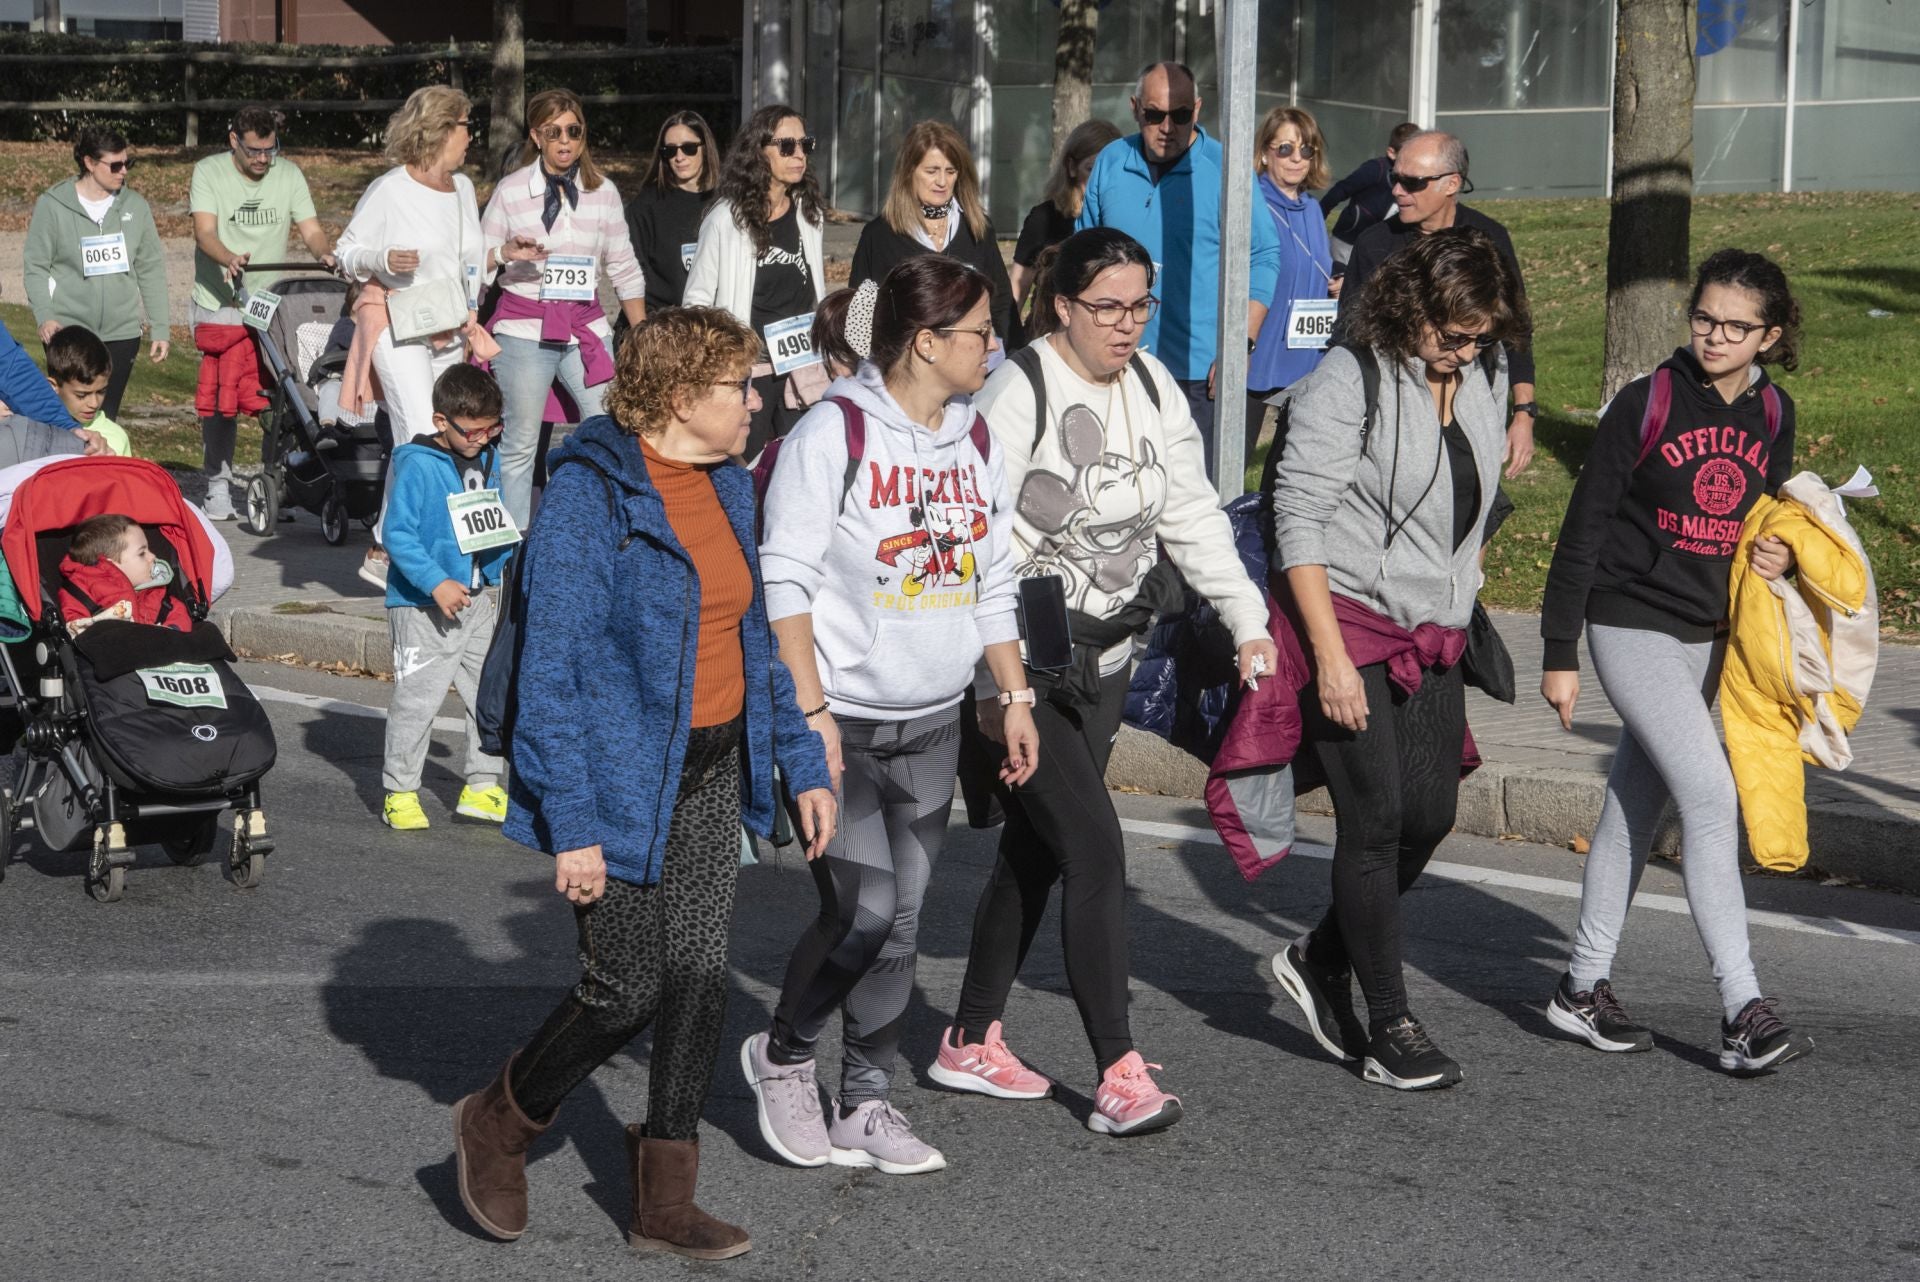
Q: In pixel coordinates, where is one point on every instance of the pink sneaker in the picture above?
(1128, 1103)
(987, 1068)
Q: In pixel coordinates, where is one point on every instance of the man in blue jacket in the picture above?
(1162, 187)
(25, 391)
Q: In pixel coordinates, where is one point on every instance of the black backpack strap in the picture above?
(1028, 359)
(1369, 385)
(1146, 379)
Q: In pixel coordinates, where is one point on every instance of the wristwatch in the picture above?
(1253, 341)
(1529, 408)
(1010, 697)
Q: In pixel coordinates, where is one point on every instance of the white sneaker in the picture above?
(219, 504)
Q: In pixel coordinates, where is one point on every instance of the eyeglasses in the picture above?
(1734, 331)
(260, 153)
(684, 148)
(1454, 342)
(744, 386)
(787, 146)
(114, 167)
(1182, 116)
(1411, 183)
(475, 433)
(1285, 149)
(984, 333)
(1107, 315)
(554, 133)
(465, 122)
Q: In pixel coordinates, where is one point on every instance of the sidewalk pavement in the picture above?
(294, 595)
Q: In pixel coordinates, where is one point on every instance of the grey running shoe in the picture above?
(219, 504)
(788, 1102)
(877, 1136)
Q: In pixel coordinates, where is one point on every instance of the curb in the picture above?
(1549, 806)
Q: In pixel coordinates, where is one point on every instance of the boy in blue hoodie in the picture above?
(448, 537)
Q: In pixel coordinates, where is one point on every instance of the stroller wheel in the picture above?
(194, 844)
(333, 521)
(106, 881)
(263, 505)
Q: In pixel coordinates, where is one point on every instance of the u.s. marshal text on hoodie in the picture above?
(909, 575)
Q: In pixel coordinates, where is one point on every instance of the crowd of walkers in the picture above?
(824, 553)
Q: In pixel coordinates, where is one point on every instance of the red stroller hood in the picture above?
(61, 495)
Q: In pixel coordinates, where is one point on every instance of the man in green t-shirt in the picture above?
(244, 203)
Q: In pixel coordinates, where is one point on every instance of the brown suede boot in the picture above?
(664, 1216)
(490, 1141)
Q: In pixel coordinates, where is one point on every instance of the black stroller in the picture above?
(313, 453)
(127, 733)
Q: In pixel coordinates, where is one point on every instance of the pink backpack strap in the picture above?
(1770, 398)
(982, 438)
(1654, 420)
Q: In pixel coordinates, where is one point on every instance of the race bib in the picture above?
(259, 308)
(481, 521)
(569, 278)
(790, 343)
(473, 285)
(1310, 323)
(686, 256)
(184, 685)
(104, 255)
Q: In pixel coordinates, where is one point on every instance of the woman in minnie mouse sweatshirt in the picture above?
(1643, 561)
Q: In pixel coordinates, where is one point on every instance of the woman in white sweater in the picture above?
(759, 258)
(1104, 474)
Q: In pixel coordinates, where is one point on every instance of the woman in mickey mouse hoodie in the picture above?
(1642, 564)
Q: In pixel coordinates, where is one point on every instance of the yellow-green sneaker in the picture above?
(483, 803)
(403, 812)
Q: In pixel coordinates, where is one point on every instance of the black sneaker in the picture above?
(1596, 1017)
(1325, 997)
(1757, 1041)
(1402, 1056)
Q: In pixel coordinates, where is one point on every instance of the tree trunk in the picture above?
(1073, 67)
(1647, 251)
(637, 24)
(505, 119)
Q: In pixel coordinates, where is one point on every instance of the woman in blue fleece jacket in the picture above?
(652, 709)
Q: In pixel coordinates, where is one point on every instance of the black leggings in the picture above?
(1061, 826)
(1394, 788)
(659, 948)
(125, 354)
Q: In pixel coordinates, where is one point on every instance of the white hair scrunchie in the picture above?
(859, 326)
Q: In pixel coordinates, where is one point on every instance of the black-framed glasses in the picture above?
(1454, 342)
(115, 166)
(1412, 183)
(744, 386)
(1732, 330)
(1182, 116)
(1285, 149)
(573, 133)
(1107, 315)
(260, 153)
(465, 122)
(667, 149)
(788, 146)
(984, 333)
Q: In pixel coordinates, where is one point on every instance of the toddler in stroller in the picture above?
(106, 568)
(126, 732)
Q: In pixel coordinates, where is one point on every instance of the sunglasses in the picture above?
(1285, 149)
(668, 149)
(788, 146)
(1411, 183)
(114, 167)
(465, 122)
(984, 333)
(1454, 342)
(1182, 116)
(554, 133)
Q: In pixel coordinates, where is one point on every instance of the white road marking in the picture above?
(1829, 927)
(320, 703)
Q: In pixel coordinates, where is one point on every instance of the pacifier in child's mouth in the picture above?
(161, 576)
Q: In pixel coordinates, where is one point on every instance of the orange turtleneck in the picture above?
(726, 585)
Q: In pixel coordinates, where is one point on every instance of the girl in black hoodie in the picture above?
(1642, 564)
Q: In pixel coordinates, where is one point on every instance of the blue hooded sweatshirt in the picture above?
(417, 531)
(1178, 222)
(605, 682)
(1306, 269)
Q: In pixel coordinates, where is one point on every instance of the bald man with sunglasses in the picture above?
(1428, 178)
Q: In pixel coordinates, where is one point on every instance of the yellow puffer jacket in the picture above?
(1800, 660)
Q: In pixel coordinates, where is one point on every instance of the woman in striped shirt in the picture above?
(549, 322)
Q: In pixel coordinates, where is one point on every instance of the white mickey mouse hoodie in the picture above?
(908, 573)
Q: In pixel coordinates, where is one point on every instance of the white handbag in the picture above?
(434, 306)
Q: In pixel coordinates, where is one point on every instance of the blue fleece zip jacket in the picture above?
(24, 386)
(1306, 271)
(605, 683)
(1178, 221)
(417, 531)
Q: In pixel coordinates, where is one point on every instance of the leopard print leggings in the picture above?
(655, 950)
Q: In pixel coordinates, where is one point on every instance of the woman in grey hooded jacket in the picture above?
(1377, 523)
(890, 573)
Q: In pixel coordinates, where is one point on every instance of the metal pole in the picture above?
(1793, 95)
(1237, 26)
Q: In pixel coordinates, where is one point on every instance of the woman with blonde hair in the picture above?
(664, 217)
(934, 207)
(653, 710)
(548, 320)
(1051, 221)
(1290, 156)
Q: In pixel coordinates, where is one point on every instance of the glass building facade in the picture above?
(1792, 95)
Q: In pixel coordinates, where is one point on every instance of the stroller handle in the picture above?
(310, 265)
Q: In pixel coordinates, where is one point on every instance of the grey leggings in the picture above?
(858, 955)
(1668, 747)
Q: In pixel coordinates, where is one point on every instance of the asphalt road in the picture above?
(206, 1083)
